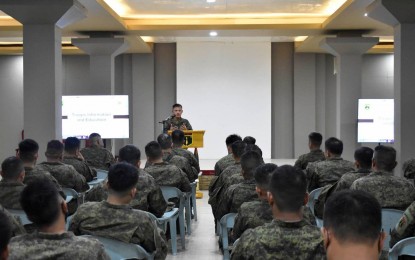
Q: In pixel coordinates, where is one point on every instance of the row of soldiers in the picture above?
(268, 208)
(118, 208)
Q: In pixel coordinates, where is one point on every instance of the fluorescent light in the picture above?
(213, 34)
(210, 1)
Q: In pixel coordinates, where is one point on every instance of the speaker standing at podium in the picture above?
(176, 121)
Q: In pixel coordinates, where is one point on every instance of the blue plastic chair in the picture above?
(21, 215)
(170, 218)
(390, 217)
(102, 174)
(120, 250)
(226, 222)
(193, 198)
(173, 192)
(404, 247)
(72, 194)
(95, 182)
(313, 196)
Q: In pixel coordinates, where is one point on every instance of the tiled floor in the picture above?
(203, 243)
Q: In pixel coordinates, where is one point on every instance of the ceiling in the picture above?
(143, 22)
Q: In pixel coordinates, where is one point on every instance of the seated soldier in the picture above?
(329, 171)
(96, 155)
(164, 173)
(181, 162)
(12, 171)
(115, 219)
(28, 152)
(47, 210)
(315, 154)
(405, 227)
(177, 137)
(65, 174)
(249, 140)
(73, 157)
(148, 197)
(288, 236)
(17, 228)
(408, 169)
(6, 234)
(391, 191)
(352, 226)
(245, 191)
(227, 160)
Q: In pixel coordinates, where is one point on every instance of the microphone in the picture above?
(169, 117)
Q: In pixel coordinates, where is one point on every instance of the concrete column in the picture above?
(399, 15)
(42, 63)
(348, 51)
(102, 51)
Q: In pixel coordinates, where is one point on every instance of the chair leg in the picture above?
(225, 244)
(194, 206)
(182, 231)
(188, 216)
(173, 236)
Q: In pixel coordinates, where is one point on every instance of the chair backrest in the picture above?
(70, 192)
(21, 214)
(102, 174)
(313, 197)
(173, 192)
(228, 220)
(403, 247)
(120, 250)
(390, 217)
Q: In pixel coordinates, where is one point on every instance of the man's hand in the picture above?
(79, 156)
(172, 128)
(183, 127)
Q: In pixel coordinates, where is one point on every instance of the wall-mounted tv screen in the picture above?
(106, 115)
(375, 123)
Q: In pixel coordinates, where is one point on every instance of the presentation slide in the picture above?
(375, 121)
(106, 115)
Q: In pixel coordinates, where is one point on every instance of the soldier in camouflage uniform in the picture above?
(73, 157)
(363, 162)
(178, 141)
(115, 219)
(164, 173)
(227, 160)
(315, 154)
(405, 227)
(245, 191)
(43, 205)
(391, 191)
(28, 153)
(288, 236)
(327, 172)
(6, 234)
(65, 174)
(408, 169)
(96, 155)
(12, 171)
(148, 197)
(176, 122)
(352, 226)
(16, 227)
(181, 162)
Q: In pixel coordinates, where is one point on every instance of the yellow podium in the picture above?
(193, 138)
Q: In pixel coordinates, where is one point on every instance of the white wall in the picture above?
(225, 88)
(11, 104)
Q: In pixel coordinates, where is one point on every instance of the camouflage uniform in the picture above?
(119, 222)
(148, 197)
(183, 164)
(63, 246)
(405, 227)
(391, 191)
(223, 163)
(256, 213)
(176, 122)
(98, 157)
(65, 174)
(234, 196)
(188, 155)
(408, 169)
(17, 228)
(348, 178)
(312, 156)
(327, 172)
(81, 167)
(10, 194)
(32, 174)
(167, 174)
(280, 240)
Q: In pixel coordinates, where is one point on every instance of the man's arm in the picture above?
(405, 227)
(156, 202)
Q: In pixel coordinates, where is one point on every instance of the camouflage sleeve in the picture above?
(224, 204)
(109, 159)
(80, 181)
(98, 193)
(313, 181)
(299, 162)
(245, 249)
(184, 182)
(408, 169)
(405, 227)
(17, 227)
(75, 222)
(156, 202)
(194, 163)
(188, 125)
(239, 226)
(214, 183)
(166, 126)
(218, 171)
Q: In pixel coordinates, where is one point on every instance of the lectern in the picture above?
(193, 138)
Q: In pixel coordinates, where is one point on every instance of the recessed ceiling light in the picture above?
(213, 34)
(210, 1)
(365, 14)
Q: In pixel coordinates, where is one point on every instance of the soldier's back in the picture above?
(313, 156)
(348, 178)
(166, 174)
(98, 157)
(66, 175)
(188, 155)
(223, 163)
(10, 194)
(81, 167)
(280, 240)
(328, 172)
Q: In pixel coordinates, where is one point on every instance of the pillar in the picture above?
(348, 52)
